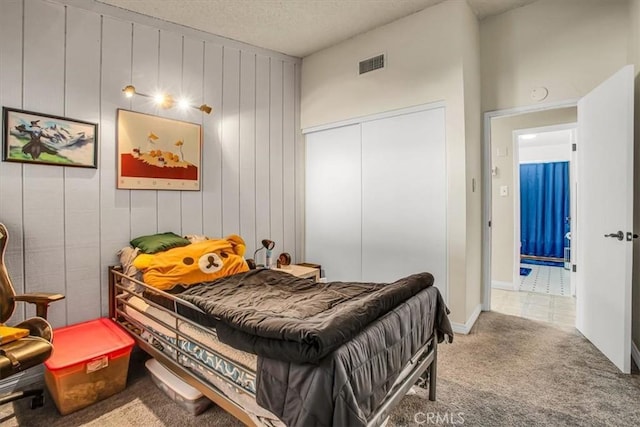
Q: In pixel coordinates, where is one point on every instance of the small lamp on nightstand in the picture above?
(266, 244)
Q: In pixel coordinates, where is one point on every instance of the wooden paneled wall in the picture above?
(66, 224)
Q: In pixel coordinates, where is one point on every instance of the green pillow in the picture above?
(158, 242)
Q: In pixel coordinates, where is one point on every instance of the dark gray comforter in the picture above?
(329, 352)
(350, 384)
(277, 315)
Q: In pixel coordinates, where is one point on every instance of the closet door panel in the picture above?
(333, 179)
(404, 197)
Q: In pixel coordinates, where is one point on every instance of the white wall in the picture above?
(473, 155)
(570, 47)
(553, 152)
(567, 46)
(73, 60)
(426, 53)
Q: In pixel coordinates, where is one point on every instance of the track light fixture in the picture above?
(165, 100)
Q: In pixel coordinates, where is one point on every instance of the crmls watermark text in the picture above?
(439, 418)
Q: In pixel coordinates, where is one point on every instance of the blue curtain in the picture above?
(544, 208)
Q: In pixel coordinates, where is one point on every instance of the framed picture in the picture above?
(31, 137)
(155, 153)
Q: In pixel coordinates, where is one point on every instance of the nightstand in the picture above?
(301, 271)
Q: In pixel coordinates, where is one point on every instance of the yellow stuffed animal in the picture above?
(198, 262)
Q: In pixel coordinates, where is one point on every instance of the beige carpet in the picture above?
(508, 372)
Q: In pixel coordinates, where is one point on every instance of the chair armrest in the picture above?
(41, 300)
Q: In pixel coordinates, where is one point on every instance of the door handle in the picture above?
(619, 235)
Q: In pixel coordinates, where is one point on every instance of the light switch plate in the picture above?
(502, 152)
(504, 190)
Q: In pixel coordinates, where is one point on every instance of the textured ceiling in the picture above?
(294, 27)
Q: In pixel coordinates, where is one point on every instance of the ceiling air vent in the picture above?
(371, 64)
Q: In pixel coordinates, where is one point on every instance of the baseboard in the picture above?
(459, 328)
(635, 354)
(22, 380)
(507, 286)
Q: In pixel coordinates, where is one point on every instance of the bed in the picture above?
(268, 364)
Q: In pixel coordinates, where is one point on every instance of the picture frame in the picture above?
(157, 153)
(38, 138)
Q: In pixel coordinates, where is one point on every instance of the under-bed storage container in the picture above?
(179, 391)
(89, 363)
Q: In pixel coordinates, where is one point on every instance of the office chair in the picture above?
(23, 352)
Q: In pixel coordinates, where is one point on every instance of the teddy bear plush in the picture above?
(198, 262)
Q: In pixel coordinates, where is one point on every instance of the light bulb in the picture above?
(159, 98)
(183, 103)
(129, 91)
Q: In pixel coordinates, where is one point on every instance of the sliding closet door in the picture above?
(404, 197)
(332, 195)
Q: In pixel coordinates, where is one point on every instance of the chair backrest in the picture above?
(7, 304)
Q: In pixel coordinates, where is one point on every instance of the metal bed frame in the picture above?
(422, 367)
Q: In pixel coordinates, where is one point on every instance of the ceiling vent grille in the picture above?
(372, 64)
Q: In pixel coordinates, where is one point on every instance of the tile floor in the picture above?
(546, 280)
(545, 295)
(556, 309)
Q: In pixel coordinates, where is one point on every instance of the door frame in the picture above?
(486, 184)
(516, 191)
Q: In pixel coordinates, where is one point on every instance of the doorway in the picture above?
(543, 203)
(514, 136)
(604, 226)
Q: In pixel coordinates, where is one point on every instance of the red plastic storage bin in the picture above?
(90, 361)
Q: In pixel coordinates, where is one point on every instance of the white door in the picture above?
(375, 193)
(605, 217)
(404, 197)
(333, 202)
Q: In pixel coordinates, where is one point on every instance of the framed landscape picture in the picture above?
(31, 137)
(155, 153)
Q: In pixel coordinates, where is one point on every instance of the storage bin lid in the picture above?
(185, 390)
(86, 341)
